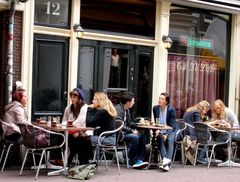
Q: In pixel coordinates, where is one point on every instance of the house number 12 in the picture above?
(53, 8)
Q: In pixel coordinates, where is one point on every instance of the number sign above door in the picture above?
(54, 13)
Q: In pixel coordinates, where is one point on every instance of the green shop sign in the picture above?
(199, 43)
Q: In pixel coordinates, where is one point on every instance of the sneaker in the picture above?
(166, 161)
(140, 164)
(165, 168)
(202, 161)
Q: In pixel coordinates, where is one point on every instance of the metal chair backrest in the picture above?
(202, 132)
(119, 125)
(181, 132)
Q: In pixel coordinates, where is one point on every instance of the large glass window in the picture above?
(197, 61)
(54, 13)
(132, 17)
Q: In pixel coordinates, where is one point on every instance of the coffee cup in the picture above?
(70, 123)
(38, 120)
(53, 123)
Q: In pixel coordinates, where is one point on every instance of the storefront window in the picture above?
(197, 61)
(127, 17)
(55, 13)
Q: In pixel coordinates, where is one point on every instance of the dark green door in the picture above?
(50, 65)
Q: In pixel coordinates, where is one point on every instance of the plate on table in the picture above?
(160, 125)
(142, 124)
(42, 121)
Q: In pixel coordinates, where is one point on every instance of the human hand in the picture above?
(135, 132)
(91, 106)
(157, 132)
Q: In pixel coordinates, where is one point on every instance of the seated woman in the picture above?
(15, 113)
(76, 111)
(194, 114)
(225, 117)
(165, 140)
(101, 114)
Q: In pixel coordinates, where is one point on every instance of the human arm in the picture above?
(231, 118)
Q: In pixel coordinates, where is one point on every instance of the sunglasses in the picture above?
(73, 95)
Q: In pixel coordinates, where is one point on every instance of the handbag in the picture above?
(34, 138)
(82, 172)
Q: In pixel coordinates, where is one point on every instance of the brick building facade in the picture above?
(17, 51)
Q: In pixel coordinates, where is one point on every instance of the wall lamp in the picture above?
(78, 30)
(167, 41)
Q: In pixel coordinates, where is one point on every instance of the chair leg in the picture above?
(105, 159)
(6, 156)
(195, 160)
(175, 151)
(34, 161)
(212, 153)
(39, 165)
(3, 150)
(117, 161)
(235, 153)
(64, 164)
(23, 163)
(182, 154)
(126, 153)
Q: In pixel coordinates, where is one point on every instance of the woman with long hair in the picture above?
(196, 113)
(101, 113)
(76, 112)
(223, 116)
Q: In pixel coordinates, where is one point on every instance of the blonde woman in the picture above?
(223, 116)
(101, 113)
(196, 113)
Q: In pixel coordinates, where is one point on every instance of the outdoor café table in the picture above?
(65, 129)
(153, 157)
(229, 162)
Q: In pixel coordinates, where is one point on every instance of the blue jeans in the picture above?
(166, 148)
(137, 146)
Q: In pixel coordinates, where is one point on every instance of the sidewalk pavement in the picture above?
(188, 173)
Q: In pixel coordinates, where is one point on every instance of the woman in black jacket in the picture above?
(101, 113)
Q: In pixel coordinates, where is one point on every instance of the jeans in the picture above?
(235, 136)
(136, 144)
(166, 147)
(201, 153)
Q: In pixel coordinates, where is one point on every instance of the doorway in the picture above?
(113, 67)
(50, 70)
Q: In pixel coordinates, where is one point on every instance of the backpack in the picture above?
(82, 172)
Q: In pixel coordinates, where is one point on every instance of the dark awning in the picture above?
(228, 6)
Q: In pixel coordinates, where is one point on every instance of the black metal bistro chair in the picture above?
(205, 139)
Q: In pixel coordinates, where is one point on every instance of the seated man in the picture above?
(165, 139)
(136, 141)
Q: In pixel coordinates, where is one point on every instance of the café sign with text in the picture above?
(198, 43)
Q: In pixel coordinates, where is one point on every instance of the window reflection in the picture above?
(118, 69)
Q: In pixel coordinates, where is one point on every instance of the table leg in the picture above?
(229, 162)
(64, 168)
(153, 157)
